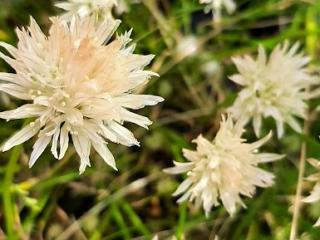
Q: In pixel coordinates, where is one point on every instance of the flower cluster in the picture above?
(80, 84)
(275, 88)
(77, 86)
(315, 194)
(84, 8)
(223, 169)
(217, 5)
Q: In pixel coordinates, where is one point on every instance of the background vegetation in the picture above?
(51, 200)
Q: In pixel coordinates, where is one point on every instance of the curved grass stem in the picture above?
(297, 200)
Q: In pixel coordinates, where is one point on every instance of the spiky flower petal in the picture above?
(315, 193)
(274, 88)
(77, 87)
(85, 8)
(223, 169)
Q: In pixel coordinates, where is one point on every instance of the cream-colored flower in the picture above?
(122, 7)
(223, 169)
(187, 46)
(78, 84)
(217, 5)
(156, 237)
(84, 8)
(274, 88)
(315, 193)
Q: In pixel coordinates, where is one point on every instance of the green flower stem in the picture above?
(297, 201)
(8, 205)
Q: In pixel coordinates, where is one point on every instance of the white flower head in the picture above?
(275, 87)
(315, 193)
(187, 46)
(217, 5)
(78, 83)
(84, 8)
(223, 169)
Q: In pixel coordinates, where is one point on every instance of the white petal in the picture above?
(257, 124)
(135, 118)
(64, 140)
(314, 196)
(123, 135)
(54, 146)
(74, 117)
(190, 155)
(229, 202)
(260, 142)
(64, 5)
(280, 128)
(82, 145)
(105, 153)
(108, 133)
(230, 6)
(314, 162)
(183, 187)
(317, 224)
(18, 66)
(23, 135)
(135, 61)
(15, 91)
(38, 148)
(239, 79)
(138, 78)
(269, 157)
(36, 31)
(25, 111)
(137, 101)
(106, 30)
(101, 148)
(294, 124)
(11, 49)
(182, 168)
(10, 77)
(184, 197)
(313, 177)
